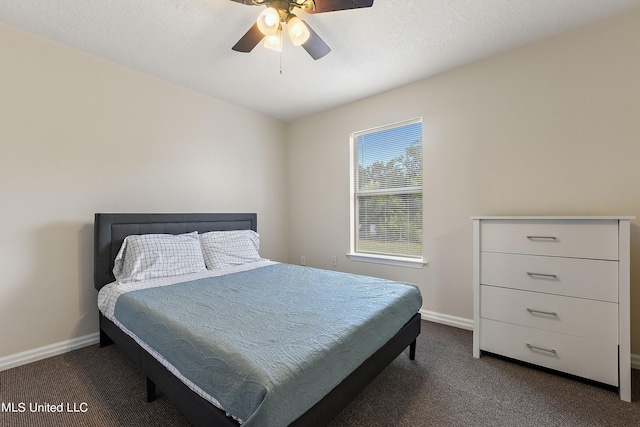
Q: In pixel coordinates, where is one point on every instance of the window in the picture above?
(386, 217)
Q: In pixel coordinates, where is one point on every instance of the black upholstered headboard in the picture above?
(110, 229)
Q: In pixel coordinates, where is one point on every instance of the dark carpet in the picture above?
(444, 386)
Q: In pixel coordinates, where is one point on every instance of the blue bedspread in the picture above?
(269, 343)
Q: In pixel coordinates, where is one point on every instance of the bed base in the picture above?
(202, 413)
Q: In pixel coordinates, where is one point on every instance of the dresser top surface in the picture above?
(584, 217)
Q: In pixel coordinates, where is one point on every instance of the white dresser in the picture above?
(554, 292)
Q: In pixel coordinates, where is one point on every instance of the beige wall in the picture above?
(80, 135)
(550, 129)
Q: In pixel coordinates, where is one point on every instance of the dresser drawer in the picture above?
(595, 320)
(584, 278)
(569, 238)
(594, 360)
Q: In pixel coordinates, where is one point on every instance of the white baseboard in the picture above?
(445, 319)
(635, 361)
(22, 358)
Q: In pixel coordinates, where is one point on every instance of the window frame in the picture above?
(381, 258)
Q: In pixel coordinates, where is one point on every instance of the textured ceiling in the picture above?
(375, 49)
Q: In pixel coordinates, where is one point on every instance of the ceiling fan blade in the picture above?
(247, 2)
(315, 46)
(249, 40)
(334, 5)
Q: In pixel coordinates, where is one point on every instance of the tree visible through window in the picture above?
(387, 177)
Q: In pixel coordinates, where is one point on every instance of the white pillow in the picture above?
(226, 248)
(149, 256)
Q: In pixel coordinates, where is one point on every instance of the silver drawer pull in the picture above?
(548, 313)
(551, 276)
(547, 350)
(542, 238)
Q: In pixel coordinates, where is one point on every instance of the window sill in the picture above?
(388, 260)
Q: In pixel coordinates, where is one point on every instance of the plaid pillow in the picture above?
(149, 256)
(226, 248)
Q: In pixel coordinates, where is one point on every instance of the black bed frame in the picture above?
(111, 229)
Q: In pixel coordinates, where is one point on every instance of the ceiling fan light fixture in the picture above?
(298, 31)
(274, 41)
(269, 21)
(268, 27)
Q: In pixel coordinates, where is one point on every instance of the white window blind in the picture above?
(387, 180)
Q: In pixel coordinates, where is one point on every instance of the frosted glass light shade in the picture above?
(274, 41)
(269, 21)
(298, 31)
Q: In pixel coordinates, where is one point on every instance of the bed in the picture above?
(193, 398)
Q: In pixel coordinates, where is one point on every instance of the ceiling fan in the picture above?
(278, 12)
